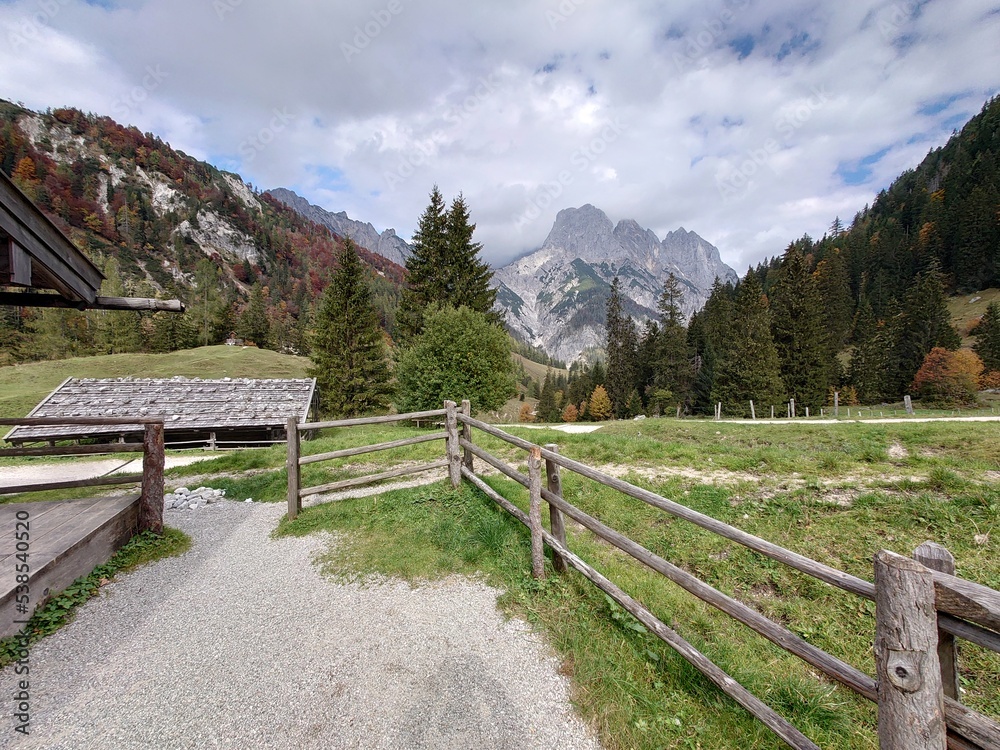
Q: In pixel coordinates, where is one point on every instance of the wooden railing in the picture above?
(295, 461)
(151, 478)
(920, 606)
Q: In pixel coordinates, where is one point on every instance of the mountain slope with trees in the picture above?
(160, 223)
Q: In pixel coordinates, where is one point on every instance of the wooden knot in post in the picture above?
(905, 670)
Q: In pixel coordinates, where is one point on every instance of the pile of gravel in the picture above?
(184, 499)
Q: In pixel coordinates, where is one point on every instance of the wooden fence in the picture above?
(921, 607)
(151, 478)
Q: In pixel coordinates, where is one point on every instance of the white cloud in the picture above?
(738, 119)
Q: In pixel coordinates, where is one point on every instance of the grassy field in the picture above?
(965, 312)
(837, 493)
(23, 386)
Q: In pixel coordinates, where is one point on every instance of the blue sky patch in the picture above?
(329, 177)
(860, 171)
(743, 45)
(935, 106)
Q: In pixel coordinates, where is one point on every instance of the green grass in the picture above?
(23, 386)
(140, 550)
(774, 482)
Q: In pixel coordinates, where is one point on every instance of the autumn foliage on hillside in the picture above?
(127, 197)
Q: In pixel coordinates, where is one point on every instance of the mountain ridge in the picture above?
(554, 296)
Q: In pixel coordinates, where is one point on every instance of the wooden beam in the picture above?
(371, 420)
(74, 276)
(359, 481)
(36, 299)
(153, 460)
(77, 483)
(73, 450)
(350, 452)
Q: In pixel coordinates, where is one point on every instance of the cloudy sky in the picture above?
(750, 122)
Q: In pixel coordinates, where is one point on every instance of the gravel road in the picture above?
(241, 643)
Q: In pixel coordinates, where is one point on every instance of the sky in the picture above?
(750, 122)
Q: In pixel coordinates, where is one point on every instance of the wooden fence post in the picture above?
(908, 403)
(151, 499)
(467, 435)
(556, 521)
(293, 469)
(836, 403)
(753, 412)
(910, 697)
(791, 408)
(938, 558)
(452, 448)
(535, 512)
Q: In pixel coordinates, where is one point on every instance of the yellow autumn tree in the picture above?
(600, 404)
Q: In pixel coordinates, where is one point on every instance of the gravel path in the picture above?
(241, 643)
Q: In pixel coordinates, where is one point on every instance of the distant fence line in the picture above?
(920, 605)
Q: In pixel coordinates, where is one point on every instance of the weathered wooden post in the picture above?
(772, 411)
(910, 696)
(791, 408)
(535, 512)
(807, 412)
(938, 558)
(467, 435)
(292, 468)
(556, 521)
(753, 412)
(836, 403)
(908, 403)
(452, 448)
(151, 499)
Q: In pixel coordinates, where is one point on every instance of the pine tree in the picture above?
(424, 267)
(708, 337)
(673, 363)
(869, 360)
(798, 324)
(621, 349)
(469, 278)
(748, 369)
(444, 267)
(350, 361)
(923, 324)
(118, 331)
(987, 334)
(834, 285)
(254, 325)
(547, 410)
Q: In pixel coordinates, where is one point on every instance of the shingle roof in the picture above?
(184, 404)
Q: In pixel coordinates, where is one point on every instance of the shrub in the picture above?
(526, 414)
(948, 378)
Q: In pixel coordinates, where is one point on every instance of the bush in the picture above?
(459, 355)
(527, 414)
(948, 378)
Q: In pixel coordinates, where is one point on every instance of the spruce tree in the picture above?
(923, 324)
(869, 360)
(748, 369)
(621, 349)
(350, 361)
(444, 267)
(987, 335)
(469, 278)
(424, 267)
(798, 324)
(673, 363)
(254, 325)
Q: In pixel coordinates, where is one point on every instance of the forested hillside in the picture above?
(160, 223)
(860, 311)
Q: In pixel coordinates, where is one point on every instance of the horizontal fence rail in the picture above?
(151, 448)
(295, 461)
(956, 600)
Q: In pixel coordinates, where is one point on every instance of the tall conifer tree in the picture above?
(673, 363)
(350, 361)
(798, 324)
(748, 368)
(621, 347)
(987, 334)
